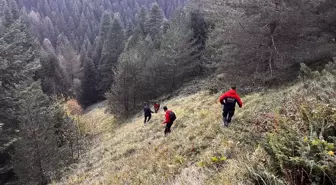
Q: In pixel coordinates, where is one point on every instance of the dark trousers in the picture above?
(168, 126)
(227, 115)
(147, 118)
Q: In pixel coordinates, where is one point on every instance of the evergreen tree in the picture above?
(165, 26)
(14, 8)
(47, 8)
(37, 157)
(129, 29)
(200, 29)
(141, 20)
(29, 117)
(40, 6)
(82, 26)
(154, 24)
(88, 94)
(18, 64)
(61, 4)
(88, 31)
(53, 78)
(49, 30)
(124, 86)
(62, 24)
(112, 49)
(130, 85)
(178, 54)
(105, 25)
(87, 46)
(68, 59)
(75, 13)
(3, 5)
(8, 18)
(71, 29)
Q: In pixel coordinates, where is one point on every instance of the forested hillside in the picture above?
(74, 33)
(52, 51)
(79, 19)
(59, 57)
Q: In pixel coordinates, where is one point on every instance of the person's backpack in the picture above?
(172, 116)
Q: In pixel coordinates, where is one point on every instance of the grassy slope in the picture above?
(199, 150)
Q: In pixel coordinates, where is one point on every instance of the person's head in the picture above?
(233, 87)
(145, 103)
(165, 108)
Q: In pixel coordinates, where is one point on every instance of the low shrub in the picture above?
(301, 148)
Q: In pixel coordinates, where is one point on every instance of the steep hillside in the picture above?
(200, 150)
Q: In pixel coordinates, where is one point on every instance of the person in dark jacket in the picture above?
(229, 100)
(148, 113)
(168, 120)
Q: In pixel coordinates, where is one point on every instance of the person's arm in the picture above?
(221, 99)
(239, 101)
(167, 118)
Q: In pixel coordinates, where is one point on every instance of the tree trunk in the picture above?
(270, 61)
(72, 149)
(134, 99)
(77, 137)
(173, 80)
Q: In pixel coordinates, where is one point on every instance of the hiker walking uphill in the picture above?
(170, 118)
(148, 113)
(229, 100)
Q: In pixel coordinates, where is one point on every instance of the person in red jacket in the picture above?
(170, 118)
(156, 107)
(229, 100)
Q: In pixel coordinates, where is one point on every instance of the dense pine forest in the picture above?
(56, 50)
(76, 53)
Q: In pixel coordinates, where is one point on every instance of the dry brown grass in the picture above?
(134, 153)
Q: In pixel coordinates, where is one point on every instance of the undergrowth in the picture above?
(300, 146)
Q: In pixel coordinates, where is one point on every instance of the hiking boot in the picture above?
(226, 123)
